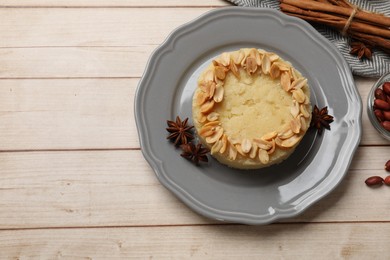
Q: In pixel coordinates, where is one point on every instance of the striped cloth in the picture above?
(380, 62)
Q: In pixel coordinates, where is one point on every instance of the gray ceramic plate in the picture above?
(260, 196)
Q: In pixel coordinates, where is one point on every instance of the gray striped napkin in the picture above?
(380, 62)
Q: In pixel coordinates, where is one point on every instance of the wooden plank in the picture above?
(43, 27)
(38, 114)
(74, 62)
(67, 114)
(118, 188)
(112, 3)
(342, 241)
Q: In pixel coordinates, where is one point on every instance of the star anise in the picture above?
(361, 50)
(321, 119)
(195, 153)
(180, 131)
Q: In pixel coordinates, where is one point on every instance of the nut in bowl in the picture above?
(378, 106)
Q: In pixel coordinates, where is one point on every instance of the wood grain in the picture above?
(280, 241)
(117, 27)
(118, 188)
(73, 182)
(112, 3)
(46, 114)
(67, 114)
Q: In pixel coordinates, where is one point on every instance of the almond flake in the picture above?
(216, 147)
(269, 136)
(295, 125)
(303, 109)
(246, 145)
(290, 142)
(220, 72)
(285, 81)
(266, 64)
(265, 145)
(207, 106)
(263, 156)
(298, 95)
(272, 150)
(213, 116)
(218, 95)
(298, 83)
(232, 152)
(224, 144)
(253, 152)
(216, 136)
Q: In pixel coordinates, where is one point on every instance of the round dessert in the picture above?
(251, 108)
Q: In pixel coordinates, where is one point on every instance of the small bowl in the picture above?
(370, 104)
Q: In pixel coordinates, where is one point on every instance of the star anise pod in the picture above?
(180, 131)
(195, 153)
(361, 50)
(320, 119)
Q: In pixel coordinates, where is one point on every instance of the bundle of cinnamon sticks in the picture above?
(367, 27)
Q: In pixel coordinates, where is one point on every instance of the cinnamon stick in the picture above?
(335, 21)
(318, 6)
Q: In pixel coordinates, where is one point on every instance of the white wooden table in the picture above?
(73, 181)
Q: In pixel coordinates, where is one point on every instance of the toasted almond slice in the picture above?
(285, 134)
(202, 118)
(233, 68)
(201, 97)
(282, 66)
(274, 71)
(233, 140)
(224, 144)
(220, 72)
(285, 81)
(232, 152)
(246, 145)
(216, 136)
(298, 95)
(263, 156)
(256, 55)
(207, 106)
(212, 89)
(208, 88)
(295, 125)
(259, 59)
(298, 83)
(239, 149)
(294, 74)
(273, 57)
(238, 56)
(266, 64)
(290, 142)
(206, 131)
(294, 109)
(213, 123)
(303, 109)
(303, 122)
(269, 136)
(218, 95)
(213, 116)
(251, 65)
(265, 145)
(272, 150)
(253, 152)
(216, 147)
(278, 142)
(209, 75)
(225, 59)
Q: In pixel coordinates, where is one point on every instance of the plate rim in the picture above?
(157, 164)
